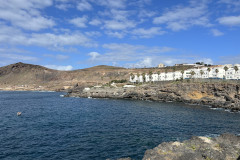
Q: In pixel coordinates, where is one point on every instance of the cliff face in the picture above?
(214, 94)
(224, 147)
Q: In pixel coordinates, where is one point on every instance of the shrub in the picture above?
(119, 81)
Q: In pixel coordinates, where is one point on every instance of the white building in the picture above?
(227, 71)
(161, 65)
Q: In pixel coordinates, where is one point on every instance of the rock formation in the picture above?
(224, 147)
(222, 95)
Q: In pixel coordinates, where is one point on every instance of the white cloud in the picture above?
(95, 22)
(26, 4)
(119, 25)
(127, 53)
(146, 13)
(93, 34)
(26, 14)
(183, 17)
(115, 19)
(94, 55)
(112, 3)
(229, 59)
(79, 21)
(168, 60)
(115, 34)
(83, 5)
(205, 60)
(58, 57)
(230, 20)
(139, 56)
(63, 6)
(61, 68)
(217, 33)
(17, 57)
(147, 33)
(146, 62)
(10, 35)
(52, 40)
(9, 55)
(230, 3)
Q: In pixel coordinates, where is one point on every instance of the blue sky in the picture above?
(74, 34)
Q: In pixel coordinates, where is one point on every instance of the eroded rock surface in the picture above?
(222, 95)
(224, 147)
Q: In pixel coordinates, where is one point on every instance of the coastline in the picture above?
(216, 95)
(35, 90)
(223, 147)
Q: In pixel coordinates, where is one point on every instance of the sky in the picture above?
(76, 34)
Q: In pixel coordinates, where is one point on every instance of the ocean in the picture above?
(55, 127)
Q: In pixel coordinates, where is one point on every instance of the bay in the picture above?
(54, 127)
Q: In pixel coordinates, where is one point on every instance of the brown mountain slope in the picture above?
(22, 75)
(28, 76)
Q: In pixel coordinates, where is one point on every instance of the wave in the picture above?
(211, 135)
(216, 108)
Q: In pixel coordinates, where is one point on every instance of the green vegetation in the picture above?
(216, 70)
(192, 74)
(225, 68)
(201, 72)
(119, 81)
(144, 78)
(209, 69)
(193, 147)
(236, 68)
(132, 76)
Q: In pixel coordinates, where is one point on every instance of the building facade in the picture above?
(227, 72)
(161, 65)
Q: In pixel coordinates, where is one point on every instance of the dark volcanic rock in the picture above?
(224, 147)
(214, 94)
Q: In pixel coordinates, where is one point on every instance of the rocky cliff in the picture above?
(223, 95)
(224, 147)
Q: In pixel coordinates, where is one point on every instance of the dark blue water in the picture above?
(52, 127)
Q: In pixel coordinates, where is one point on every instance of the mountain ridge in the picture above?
(23, 74)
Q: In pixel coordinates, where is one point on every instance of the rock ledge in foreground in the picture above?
(224, 147)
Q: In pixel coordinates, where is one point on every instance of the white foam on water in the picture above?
(216, 108)
(211, 135)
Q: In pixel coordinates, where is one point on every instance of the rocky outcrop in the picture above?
(224, 147)
(220, 95)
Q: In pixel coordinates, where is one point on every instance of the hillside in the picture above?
(29, 76)
(21, 76)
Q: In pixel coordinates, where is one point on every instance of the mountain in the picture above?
(21, 75)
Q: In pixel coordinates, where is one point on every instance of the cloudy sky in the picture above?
(74, 34)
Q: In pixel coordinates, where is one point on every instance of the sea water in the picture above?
(54, 127)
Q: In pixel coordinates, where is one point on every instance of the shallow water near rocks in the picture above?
(53, 127)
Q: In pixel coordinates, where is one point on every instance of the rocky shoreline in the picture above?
(224, 147)
(216, 95)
